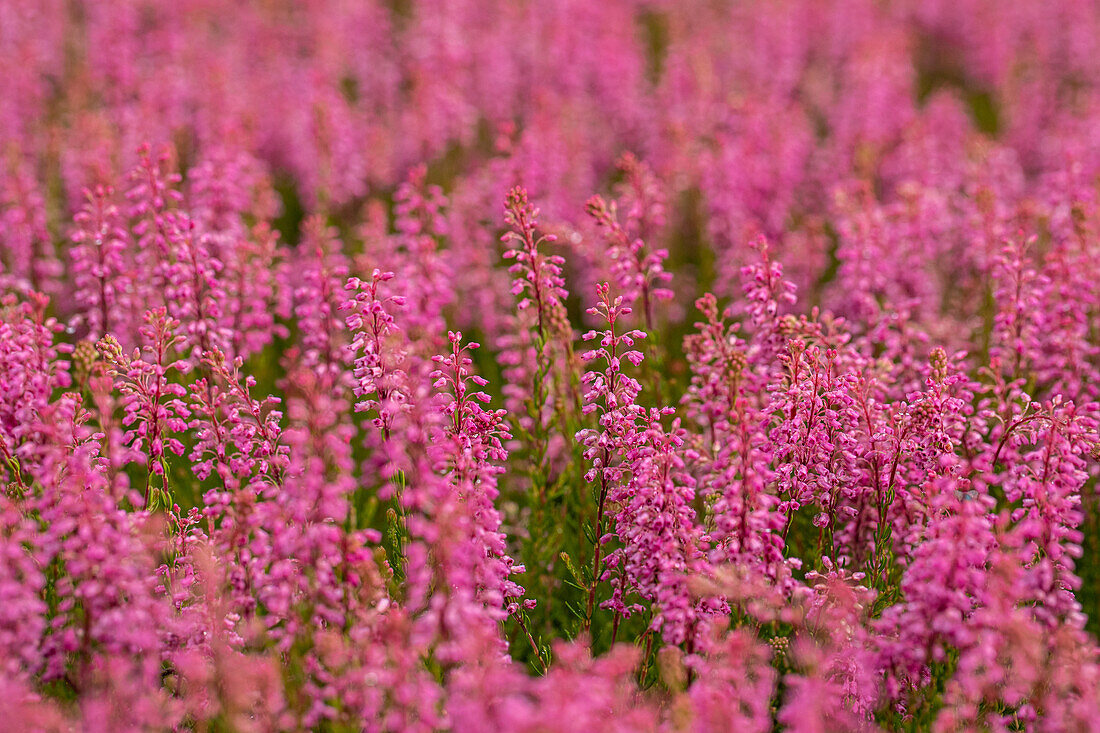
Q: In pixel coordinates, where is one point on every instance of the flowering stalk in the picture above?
(611, 395)
(639, 272)
(476, 458)
(379, 377)
(152, 405)
(538, 276)
(101, 271)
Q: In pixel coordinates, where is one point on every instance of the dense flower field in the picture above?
(549, 365)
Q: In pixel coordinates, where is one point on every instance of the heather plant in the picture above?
(631, 365)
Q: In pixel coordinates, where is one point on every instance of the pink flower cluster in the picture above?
(787, 415)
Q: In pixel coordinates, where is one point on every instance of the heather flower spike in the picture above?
(538, 276)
